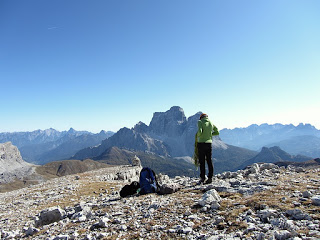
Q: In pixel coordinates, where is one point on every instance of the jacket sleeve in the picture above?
(199, 129)
(215, 131)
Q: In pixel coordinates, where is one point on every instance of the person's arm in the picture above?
(215, 131)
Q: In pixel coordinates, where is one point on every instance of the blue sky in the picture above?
(106, 64)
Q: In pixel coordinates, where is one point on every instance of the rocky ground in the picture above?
(261, 202)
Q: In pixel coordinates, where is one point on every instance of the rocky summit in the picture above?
(263, 201)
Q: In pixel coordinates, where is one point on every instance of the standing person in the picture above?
(205, 132)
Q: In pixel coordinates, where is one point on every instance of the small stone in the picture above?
(31, 231)
(61, 237)
(316, 200)
(123, 228)
(282, 234)
(306, 194)
(187, 230)
(192, 217)
(296, 204)
(103, 222)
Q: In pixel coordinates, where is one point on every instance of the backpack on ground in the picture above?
(129, 190)
(148, 181)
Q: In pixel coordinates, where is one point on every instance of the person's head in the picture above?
(203, 115)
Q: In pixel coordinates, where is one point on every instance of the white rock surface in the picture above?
(211, 197)
(11, 163)
(10, 158)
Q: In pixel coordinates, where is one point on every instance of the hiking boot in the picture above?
(201, 181)
(209, 180)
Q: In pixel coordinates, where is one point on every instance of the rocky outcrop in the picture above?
(10, 157)
(263, 201)
(11, 163)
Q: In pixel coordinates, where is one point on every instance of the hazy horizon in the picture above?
(107, 130)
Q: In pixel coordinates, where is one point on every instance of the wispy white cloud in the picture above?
(51, 28)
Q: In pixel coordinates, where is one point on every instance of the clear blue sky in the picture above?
(107, 64)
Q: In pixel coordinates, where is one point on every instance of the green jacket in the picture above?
(206, 130)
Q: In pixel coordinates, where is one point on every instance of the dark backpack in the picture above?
(129, 190)
(148, 181)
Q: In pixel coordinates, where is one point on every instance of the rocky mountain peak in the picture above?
(49, 131)
(71, 131)
(140, 127)
(276, 151)
(168, 123)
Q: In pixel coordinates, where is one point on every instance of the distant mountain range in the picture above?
(167, 144)
(303, 139)
(42, 146)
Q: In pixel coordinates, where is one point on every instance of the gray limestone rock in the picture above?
(266, 214)
(306, 194)
(169, 188)
(282, 234)
(298, 214)
(31, 231)
(50, 215)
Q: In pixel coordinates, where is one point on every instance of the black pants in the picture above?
(205, 155)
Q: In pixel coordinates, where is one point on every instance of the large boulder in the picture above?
(50, 215)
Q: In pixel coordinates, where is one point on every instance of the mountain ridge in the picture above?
(273, 155)
(255, 136)
(42, 146)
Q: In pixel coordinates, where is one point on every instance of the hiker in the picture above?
(204, 146)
